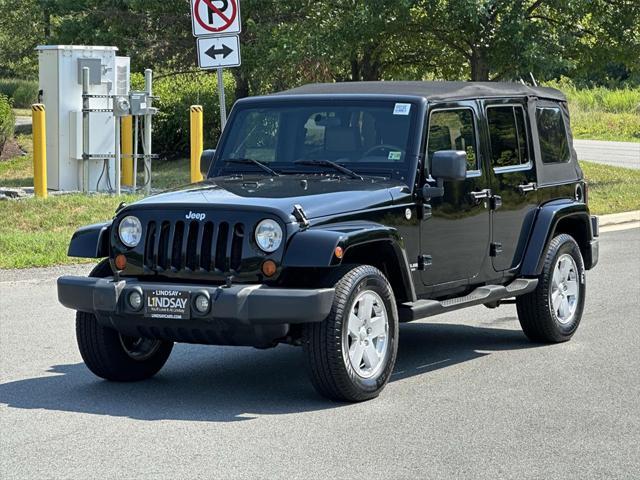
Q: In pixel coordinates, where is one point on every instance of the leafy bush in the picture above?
(6, 120)
(176, 94)
(23, 92)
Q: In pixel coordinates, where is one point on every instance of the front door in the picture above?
(455, 240)
(513, 180)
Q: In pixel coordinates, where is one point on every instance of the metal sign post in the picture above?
(216, 25)
(222, 100)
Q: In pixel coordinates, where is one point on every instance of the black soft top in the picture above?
(432, 91)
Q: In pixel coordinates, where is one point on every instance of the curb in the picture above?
(619, 218)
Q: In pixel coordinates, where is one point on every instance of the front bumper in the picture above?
(254, 315)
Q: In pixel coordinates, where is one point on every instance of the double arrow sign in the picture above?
(217, 52)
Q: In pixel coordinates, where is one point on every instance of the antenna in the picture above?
(533, 79)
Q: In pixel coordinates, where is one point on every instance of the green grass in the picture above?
(612, 189)
(35, 232)
(22, 112)
(18, 171)
(603, 114)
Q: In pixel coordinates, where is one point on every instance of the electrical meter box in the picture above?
(61, 90)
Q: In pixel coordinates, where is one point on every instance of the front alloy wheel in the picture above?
(351, 354)
(365, 342)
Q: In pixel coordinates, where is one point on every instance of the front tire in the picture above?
(351, 354)
(552, 312)
(116, 357)
(113, 356)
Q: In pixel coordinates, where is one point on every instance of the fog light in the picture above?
(202, 303)
(135, 300)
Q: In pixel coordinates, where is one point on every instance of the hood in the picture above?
(319, 195)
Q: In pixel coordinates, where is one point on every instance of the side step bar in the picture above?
(481, 295)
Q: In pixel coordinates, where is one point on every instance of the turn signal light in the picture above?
(269, 268)
(338, 252)
(121, 262)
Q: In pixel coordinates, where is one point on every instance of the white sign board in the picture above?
(215, 17)
(218, 52)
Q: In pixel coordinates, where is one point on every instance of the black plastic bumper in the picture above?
(239, 315)
(593, 254)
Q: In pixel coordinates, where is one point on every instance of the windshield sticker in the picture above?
(395, 156)
(402, 109)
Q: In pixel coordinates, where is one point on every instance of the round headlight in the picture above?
(130, 231)
(268, 235)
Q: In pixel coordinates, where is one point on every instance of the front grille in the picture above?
(194, 246)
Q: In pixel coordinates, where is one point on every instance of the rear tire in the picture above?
(351, 354)
(552, 312)
(113, 356)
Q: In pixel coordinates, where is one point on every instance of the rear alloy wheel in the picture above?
(351, 354)
(552, 312)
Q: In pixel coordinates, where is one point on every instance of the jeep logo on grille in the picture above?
(195, 216)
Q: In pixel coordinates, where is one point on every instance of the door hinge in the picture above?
(495, 249)
(424, 261)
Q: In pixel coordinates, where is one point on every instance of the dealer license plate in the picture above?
(171, 304)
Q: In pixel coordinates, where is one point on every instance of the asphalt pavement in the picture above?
(619, 154)
(470, 398)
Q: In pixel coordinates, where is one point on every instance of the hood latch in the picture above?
(300, 216)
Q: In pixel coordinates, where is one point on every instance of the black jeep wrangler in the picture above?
(330, 214)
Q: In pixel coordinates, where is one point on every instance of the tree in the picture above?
(499, 39)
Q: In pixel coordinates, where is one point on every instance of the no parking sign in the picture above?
(215, 17)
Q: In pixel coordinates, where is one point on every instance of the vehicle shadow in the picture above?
(222, 384)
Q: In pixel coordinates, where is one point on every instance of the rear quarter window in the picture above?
(552, 131)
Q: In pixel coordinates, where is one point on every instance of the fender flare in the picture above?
(544, 228)
(315, 247)
(91, 241)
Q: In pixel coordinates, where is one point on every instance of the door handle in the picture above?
(482, 194)
(528, 187)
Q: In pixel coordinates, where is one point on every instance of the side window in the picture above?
(508, 136)
(453, 130)
(553, 135)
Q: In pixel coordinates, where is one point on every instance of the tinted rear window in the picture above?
(552, 131)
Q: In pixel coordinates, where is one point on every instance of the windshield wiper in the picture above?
(251, 161)
(329, 163)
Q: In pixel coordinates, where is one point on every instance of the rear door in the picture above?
(456, 237)
(513, 180)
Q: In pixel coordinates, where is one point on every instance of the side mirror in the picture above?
(205, 161)
(449, 165)
(445, 165)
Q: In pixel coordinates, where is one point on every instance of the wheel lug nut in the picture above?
(369, 331)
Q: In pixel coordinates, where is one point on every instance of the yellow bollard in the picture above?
(126, 132)
(39, 150)
(197, 142)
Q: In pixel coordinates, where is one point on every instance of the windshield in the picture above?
(364, 136)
